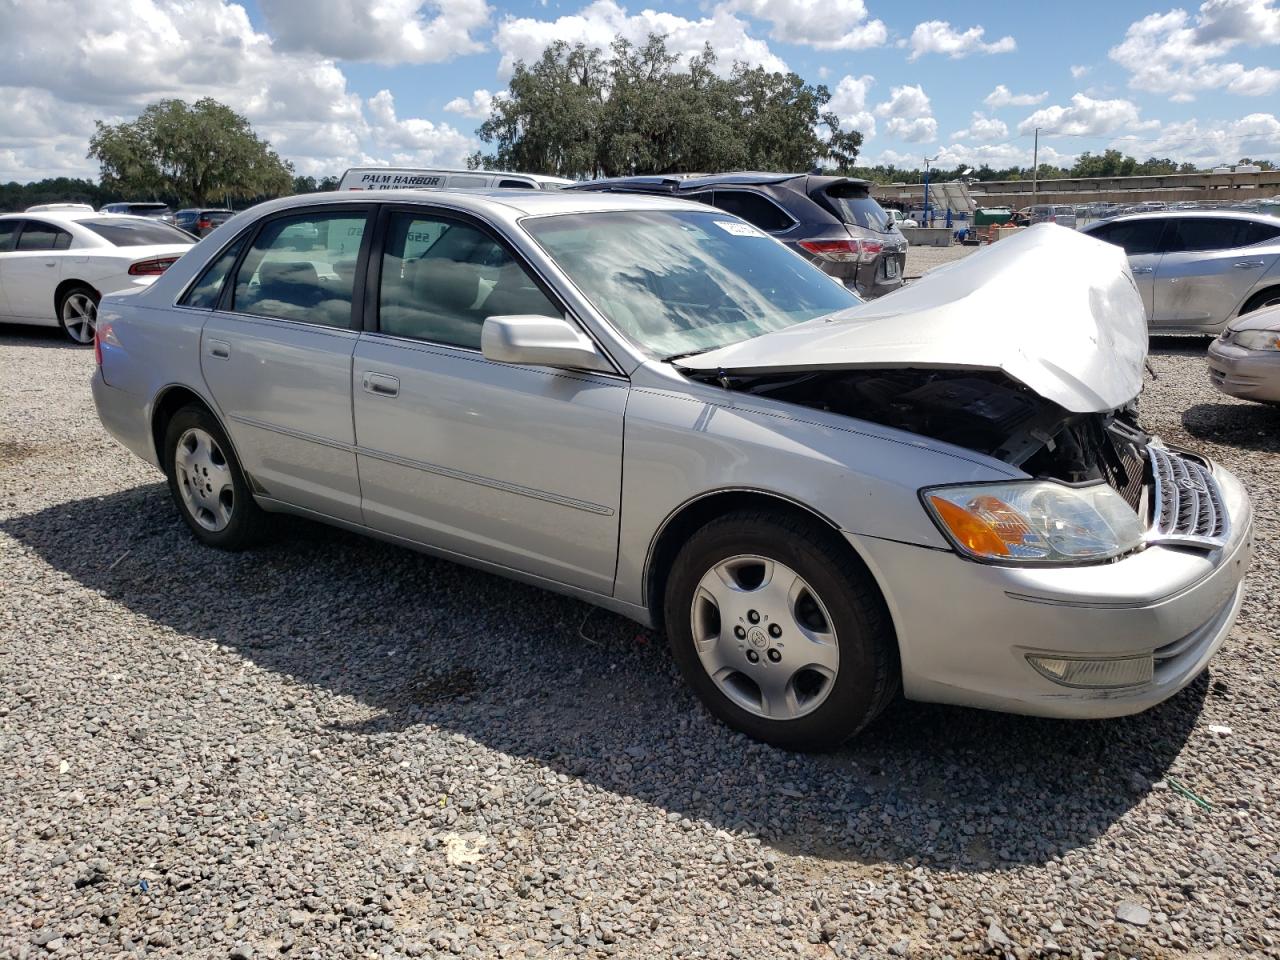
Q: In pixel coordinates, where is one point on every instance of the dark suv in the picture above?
(201, 221)
(833, 221)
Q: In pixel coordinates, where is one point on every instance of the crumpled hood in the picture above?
(1051, 308)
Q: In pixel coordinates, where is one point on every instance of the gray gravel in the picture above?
(335, 748)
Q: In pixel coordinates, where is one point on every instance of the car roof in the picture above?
(511, 202)
(1192, 214)
(71, 216)
(698, 181)
(535, 177)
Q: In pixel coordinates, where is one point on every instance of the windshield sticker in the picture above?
(737, 229)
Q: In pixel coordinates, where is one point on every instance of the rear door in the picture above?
(1141, 240)
(30, 273)
(519, 466)
(276, 356)
(1207, 270)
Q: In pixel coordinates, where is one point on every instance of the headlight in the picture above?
(1257, 339)
(1034, 521)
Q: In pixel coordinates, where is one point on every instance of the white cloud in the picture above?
(1002, 97)
(983, 128)
(1211, 142)
(849, 101)
(1176, 54)
(823, 24)
(1079, 70)
(909, 114)
(478, 106)
(383, 31)
(414, 140)
(997, 155)
(126, 56)
(1087, 117)
(938, 36)
(524, 38)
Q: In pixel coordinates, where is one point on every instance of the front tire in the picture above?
(207, 484)
(78, 313)
(1264, 298)
(780, 630)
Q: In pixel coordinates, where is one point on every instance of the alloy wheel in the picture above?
(204, 479)
(80, 317)
(764, 637)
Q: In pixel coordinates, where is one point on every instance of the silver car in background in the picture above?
(651, 405)
(1244, 361)
(1198, 269)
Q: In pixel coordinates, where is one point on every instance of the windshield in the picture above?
(684, 282)
(136, 233)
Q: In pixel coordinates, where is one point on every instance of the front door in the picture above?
(277, 359)
(1207, 271)
(519, 466)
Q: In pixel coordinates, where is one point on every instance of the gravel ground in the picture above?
(920, 260)
(335, 748)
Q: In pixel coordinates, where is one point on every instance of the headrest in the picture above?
(271, 272)
(445, 284)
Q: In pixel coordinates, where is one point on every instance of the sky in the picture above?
(339, 83)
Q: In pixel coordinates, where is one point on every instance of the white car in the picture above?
(900, 219)
(56, 265)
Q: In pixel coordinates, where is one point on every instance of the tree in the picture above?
(579, 111)
(195, 154)
(1263, 164)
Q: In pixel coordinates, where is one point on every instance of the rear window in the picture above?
(146, 209)
(853, 205)
(136, 233)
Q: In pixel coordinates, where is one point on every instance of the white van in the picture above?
(413, 178)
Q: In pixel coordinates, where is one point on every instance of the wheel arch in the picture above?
(695, 513)
(1247, 307)
(169, 401)
(66, 286)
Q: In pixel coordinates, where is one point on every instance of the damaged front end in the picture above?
(1031, 352)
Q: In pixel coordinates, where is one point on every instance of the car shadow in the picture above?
(29, 335)
(1239, 424)
(523, 671)
(1181, 344)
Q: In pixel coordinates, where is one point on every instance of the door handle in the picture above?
(219, 349)
(1248, 264)
(381, 384)
(51, 263)
(1143, 269)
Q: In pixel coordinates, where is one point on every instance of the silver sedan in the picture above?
(1245, 361)
(1198, 269)
(653, 406)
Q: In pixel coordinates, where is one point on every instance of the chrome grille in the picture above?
(1187, 501)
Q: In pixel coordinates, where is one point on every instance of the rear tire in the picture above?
(78, 313)
(207, 484)
(780, 631)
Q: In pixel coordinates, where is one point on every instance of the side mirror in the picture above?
(543, 341)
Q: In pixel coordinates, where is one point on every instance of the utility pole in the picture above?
(1035, 167)
(928, 220)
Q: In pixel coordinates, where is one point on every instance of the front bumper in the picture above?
(1247, 374)
(965, 629)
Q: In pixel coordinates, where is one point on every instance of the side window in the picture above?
(465, 181)
(8, 234)
(43, 236)
(208, 289)
(444, 291)
(1136, 236)
(1255, 233)
(754, 209)
(1194, 234)
(704, 197)
(514, 184)
(302, 268)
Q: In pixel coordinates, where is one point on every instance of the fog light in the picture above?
(1094, 674)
